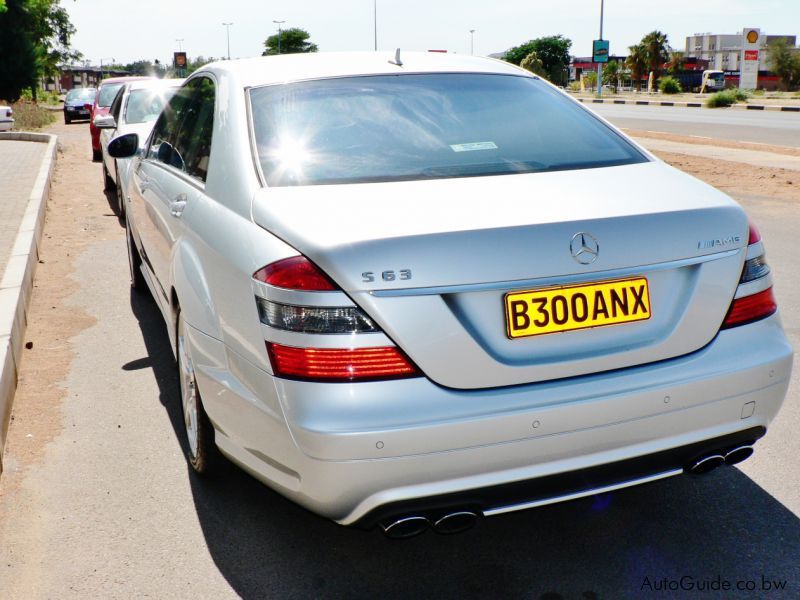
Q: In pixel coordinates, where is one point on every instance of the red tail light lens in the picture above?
(334, 364)
(750, 308)
(295, 273)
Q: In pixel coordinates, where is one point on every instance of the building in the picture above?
(582, 64)
(723, 51)
(78, 76)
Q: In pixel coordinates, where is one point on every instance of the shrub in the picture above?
(726, 98)
(575, 86)
(31, 116)
(669, 85)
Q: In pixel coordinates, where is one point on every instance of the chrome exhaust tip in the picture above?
(738, 454)
(706, 464)
(455, 522)
(406, 527)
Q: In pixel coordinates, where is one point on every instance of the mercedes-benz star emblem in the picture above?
(584, 248)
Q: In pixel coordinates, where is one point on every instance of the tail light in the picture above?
(301, 361)
(754, 299)
(339, 364)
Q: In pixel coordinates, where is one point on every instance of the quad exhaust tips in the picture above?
(410, 526)
(731, 456)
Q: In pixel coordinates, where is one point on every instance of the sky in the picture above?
(148, 29)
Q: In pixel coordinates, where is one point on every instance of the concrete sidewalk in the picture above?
(26, 167)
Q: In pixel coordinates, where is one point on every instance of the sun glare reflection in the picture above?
(292, 157)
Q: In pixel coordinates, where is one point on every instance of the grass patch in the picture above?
(727, 98)
(28, 115)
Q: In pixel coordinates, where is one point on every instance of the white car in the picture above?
(6, 118)
(135, 109)
(408, 289)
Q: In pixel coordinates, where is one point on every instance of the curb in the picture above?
(17, 281)
(766, 107)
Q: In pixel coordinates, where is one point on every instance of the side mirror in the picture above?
(124, 146)
(105, 122)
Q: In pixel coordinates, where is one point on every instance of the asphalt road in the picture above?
(765, 127)
(112, 511)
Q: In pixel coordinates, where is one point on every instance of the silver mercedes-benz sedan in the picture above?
(416, 289)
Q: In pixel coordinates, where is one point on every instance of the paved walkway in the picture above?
(19, 166)
(757, 158)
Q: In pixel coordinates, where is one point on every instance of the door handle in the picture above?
(177, 205)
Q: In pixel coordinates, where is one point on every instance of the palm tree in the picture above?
(637, 63)
(676, 61)
(611, 74)
(656, 47)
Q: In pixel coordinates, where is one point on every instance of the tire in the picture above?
(134, 261)
(97, 155)
(201, 452)
(120, 199)
(67, 120)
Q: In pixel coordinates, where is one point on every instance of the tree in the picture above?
(533, 63)
(291, 41)
(611, 73)
(656, 47)
(553, 51)
(38, 27)
(676, 62)
(784, 61)
(18, 63)
(637, 63)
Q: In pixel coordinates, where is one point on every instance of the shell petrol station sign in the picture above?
(750, 58)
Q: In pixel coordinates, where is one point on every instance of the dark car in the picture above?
(75, 104)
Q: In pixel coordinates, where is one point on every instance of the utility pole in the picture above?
(180, 44)
(101, 64)
(375, 22)
(279, 34)
(600, 64)
(472, 42)
(228, 30)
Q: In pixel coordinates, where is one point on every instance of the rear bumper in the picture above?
(345, 451)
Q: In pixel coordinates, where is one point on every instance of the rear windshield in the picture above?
(107, 94)
(82, 94)
(425, 126)
(145, 105)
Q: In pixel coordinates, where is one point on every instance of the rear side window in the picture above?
(425, 126)
(182, 136)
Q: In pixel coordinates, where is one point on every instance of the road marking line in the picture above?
(661, 132)
(702, 137)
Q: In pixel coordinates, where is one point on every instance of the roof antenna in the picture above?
(397, 60)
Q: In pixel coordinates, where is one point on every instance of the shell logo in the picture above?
(752, 36)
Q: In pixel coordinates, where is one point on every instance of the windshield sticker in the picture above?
(472, 146)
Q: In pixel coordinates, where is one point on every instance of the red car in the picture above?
(102, 103)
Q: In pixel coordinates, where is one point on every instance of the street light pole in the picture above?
(180, 44)
(228, 30)
(279, 34)
(472, 41)
(600, 65)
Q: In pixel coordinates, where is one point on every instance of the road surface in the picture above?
(765, 127)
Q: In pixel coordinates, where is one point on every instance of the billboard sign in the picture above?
(600, 51)
(179, 60)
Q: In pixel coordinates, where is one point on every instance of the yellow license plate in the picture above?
(552, 310)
